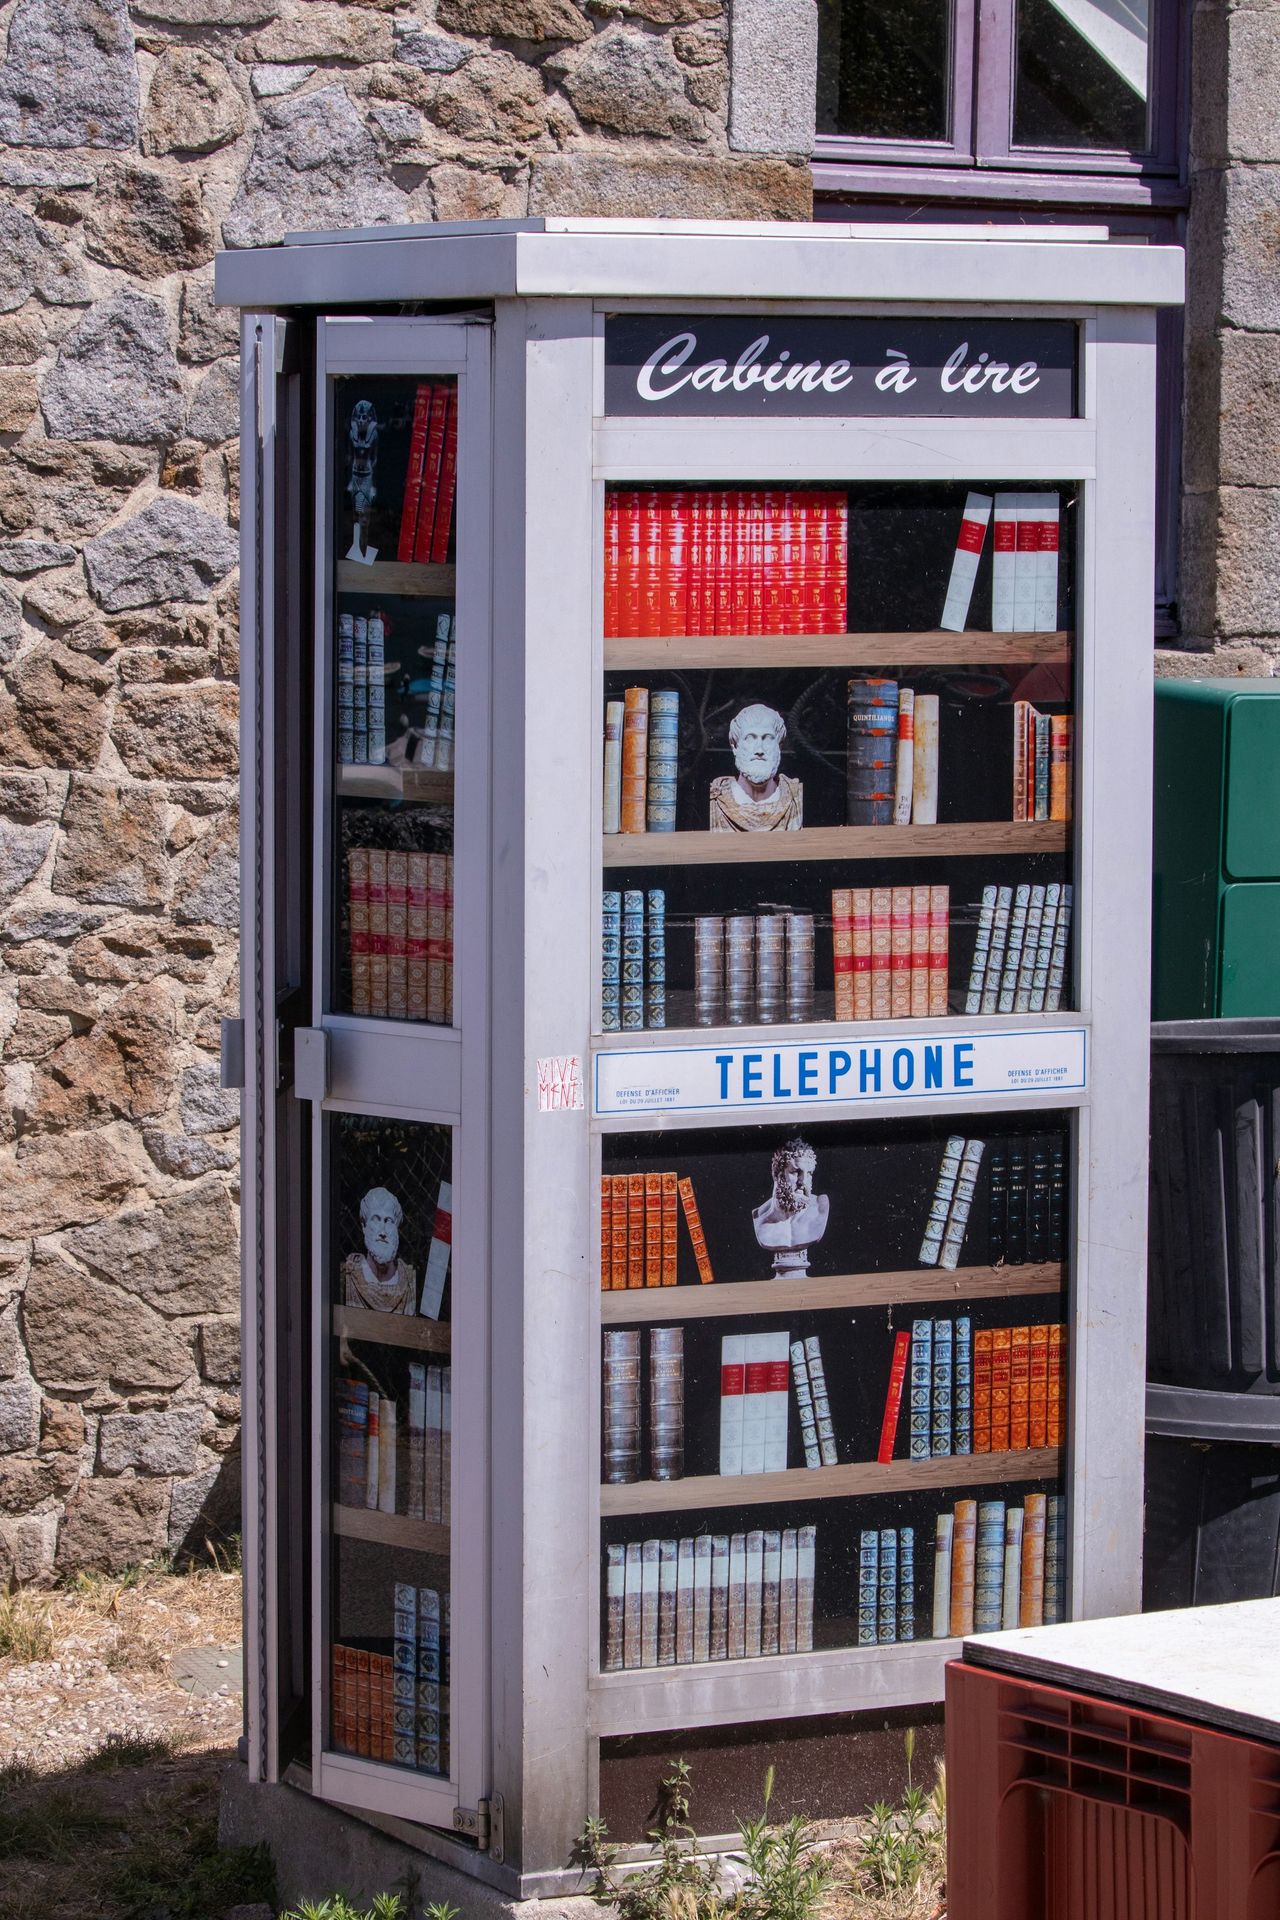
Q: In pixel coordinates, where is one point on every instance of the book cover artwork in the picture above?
(794, 1217)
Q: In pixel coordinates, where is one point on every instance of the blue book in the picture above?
(920, 1404)
(962, 1387)
(943, 1387)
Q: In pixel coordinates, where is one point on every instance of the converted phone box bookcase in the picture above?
(696, 796)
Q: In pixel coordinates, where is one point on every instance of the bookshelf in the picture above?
(422, 785)
(963, 839)
(408, 578)
(392, 1329)
(816, 1294)
(655, 653)
(860, 1478)
(390, 1530)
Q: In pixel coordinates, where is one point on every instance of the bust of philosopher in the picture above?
(758, 798)
(378, 1278)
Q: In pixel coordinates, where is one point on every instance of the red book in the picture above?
(741, 597)
(448, 480)
(612, 523)
(839, 599)
(982, 1341)
(707, 583)
(652, 555)
(893, 1398)
(724, 562)
(675, 576)
(842, 950)
(430, 473)
(630, 528)
(770, 579)
(413, 472)
(693, 610)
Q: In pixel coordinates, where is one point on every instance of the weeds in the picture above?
(26, 1627)
(52, 1832)
(386, 1906)
(785, 1875)
(16, 1770)
(903, 1844)
(176, 1867)
(120, 1750)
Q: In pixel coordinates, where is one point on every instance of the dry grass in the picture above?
(26, 1627)
(139, 1620)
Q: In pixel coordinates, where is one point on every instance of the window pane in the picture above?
(883, 68)
(1082, 74)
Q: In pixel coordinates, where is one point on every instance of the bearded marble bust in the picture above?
(758, 798)
(794, 1217)
(378, 1278)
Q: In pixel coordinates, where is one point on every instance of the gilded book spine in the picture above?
(378, 934)
(804, 1406)
(981, 951)
(995, 959)
(635, 759)
(964, 565)
(632, 1600)
(753, 1599)
(900, 953)
(632, 960)
(887, 1590)
(1060, 766)
(621, 1406)
(920, 952)
(377, 690)
(942, 1544)
(655, 958)
(718, 1615)
(670, 1228)
(872, 752)
(684, 1601)
(613, 713)
(1030, 950)
(664, 745)
(693, 1220)
(982, 1390)
(358, 918)
(963, 1548)
(881, 953)
(614, 1602)
(611, 961)
(787, 1563)
(398, 935)
(821, 1405)
(924, 778)
(1014, 947)
(988, 1586)
(939, 950)
(1031, 1605)
(862, 953)
(650, 1600)
(961, 1204)
(943, 1372)
(962, 1387)
(1012, 1595)
(668, 1575)
(842, 951)
(904, 766)
(703, 1547)
(868, 1585)
(940, 1206)
(921, 1390)
(1055, 1559)
(666, 1403)
(653, 1229)
(906, 1583)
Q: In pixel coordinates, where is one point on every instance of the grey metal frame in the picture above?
(535, 1496)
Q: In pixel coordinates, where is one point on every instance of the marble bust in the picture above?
(378, 1278)
(758, 798)
(794, 1217)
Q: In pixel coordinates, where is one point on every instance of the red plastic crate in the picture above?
(1066, 1806)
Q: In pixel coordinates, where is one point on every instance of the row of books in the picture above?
(752, 969)
(641, 758)
(891, 951)
(400, 916)
(386, 1466)
(431, 475)
(1042, 763)
(998, 1565)
(891, 764)
(395, 1706)
(999, 1391)
(725, 561)
(1027, 1200)
(709, 1597)
(633, 964)
(755, 1383)
(886, 1585)
(621, 1394)
(1020, 954)
(1024, 569)
(639, 1225)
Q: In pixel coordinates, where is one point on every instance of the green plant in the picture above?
(678, 1886)
(785, 1875)
(901, 1844)
(126, 1749)
(26, 1627)
(174, 1865)
(386, 1906)
(51, 1831)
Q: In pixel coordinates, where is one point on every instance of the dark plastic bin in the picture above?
(1212, 1529)
(1213, 1296)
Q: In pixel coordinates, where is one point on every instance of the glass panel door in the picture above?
(401, 749)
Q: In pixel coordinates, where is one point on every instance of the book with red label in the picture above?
(1038, 1395)
(437, 1272)
(358, 920)
(414, 471)
(417, 935)
(1060, 766)
(842, 950)
(881, 952)
(862, 953)
(1019, 1388)
(964, 565)
(398, 935)
(612, 563)
(767, 1360)
(900, 953)
(443, 524)
(1056, 1386)
(733, 1379)
(919, 952)
(377, 931)
(433, 460)
(893, 1397)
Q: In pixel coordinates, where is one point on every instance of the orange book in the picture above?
(618, 1261)
(939, 950)
(982, 1390)
(670, 1228)
(653, 1229)
(862, 962)
(338, 1698)
(417, 936)
(378, 936)
(635, 759)
(900, 953)
(1056, 1387)
(881, 952)
(1038, 1395)
(363, 1735)
(1060, 766)
(919, 988)
(1020, 1389)
(1001, 1342)
(842, 950)
(1031, 1597)
(693, 1220)
(398, 935)
(635, 1230)
(963, 1548)
(606, 1232)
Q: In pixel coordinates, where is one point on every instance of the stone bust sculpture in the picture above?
(759, 798)
(794, 1217)
(378, 1278)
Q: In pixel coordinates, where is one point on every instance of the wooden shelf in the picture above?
(830, 1483)
(392, 1329)
(657, 653)
(422, 784)
(705, 848)
(390, 1530)
(406, 577)
(817, 1292)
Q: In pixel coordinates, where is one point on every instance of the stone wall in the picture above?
(134, 140)
(1230, 568)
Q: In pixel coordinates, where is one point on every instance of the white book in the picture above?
(650, 1583)
(1026, 572)
(787, 1592)
(903, 774)
(821, 1405)
(1044, 951)
(431, 1446)
(1013, 948)
(777, 1397)
(1047, 528)
(718, 1630)
(964, 564)
(702, 1597)
(684, 1601)
(804, 1405)
(771, 1592)
(1030, 948)
(1058, 958)
(737, 1596)
(942, 1576)
(806, 1565)
(613, 713)
(924, 763)
(426, 755)
(940, 1205)
(372, 1452)
(962, 1201)
(668, 1595)
(438, 1254)
(733, 1389)
(632, 1602)
(1012, 1567)
(754, 1599)
(444, 741)
(981, 951)
(387, 1455)
(615, 1591)
(1003, 561)
(417, 1440)
(995, 959)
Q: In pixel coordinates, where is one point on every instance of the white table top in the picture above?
(1218, 1665)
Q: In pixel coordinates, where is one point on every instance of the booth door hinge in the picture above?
(231, 1054)
(483, 1824)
